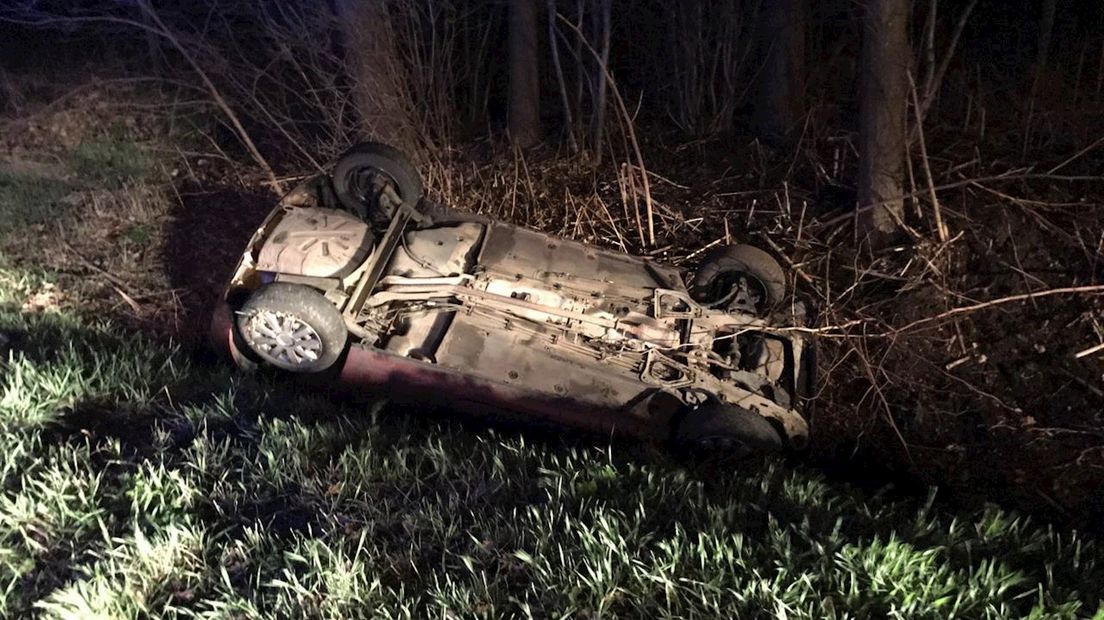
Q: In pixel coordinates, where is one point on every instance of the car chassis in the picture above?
(483, 316)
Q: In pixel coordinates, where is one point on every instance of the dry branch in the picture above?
(628, 129)
(1089, 351)
(1069, 290)
(163, 31)
(1009, 176)
(931, 89)
(216, 95)
(937, 214)
(1076, 156)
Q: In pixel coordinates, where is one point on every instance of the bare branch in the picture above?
(937, 81)
(1094, 289)
(937, 214)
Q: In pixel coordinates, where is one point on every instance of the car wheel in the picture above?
(739, 278)
(292, 327)
(733, 431)
(363, 174)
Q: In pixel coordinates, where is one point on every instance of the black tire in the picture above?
(352, 168)
(720, 428)
(710, 284)
(287, 303)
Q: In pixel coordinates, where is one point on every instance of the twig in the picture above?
(1026, 176)
(1026, 201)
(628, 128)
(875, 385)
(1089, 351)
(613, 225)
(940, 227)
(973, 388)
(215, 94)
(1079, 381)
(94, 267)
(128, 299)
(1076, 156)
(704, 248)
(937, 81)
(163, 31)
(778, 250)
(1069, 290)
(666, 180)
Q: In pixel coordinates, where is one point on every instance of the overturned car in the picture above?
(358, 280)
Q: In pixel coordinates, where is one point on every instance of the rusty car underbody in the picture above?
(455, 307)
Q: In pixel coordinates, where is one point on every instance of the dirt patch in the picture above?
(203, 240)
(146, 255)
(125, 232)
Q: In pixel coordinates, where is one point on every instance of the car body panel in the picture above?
(366, 371)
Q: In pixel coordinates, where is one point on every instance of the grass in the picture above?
(27, 200)
(138, 482)
(110, 160)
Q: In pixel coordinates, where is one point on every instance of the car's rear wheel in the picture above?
(292, 327)
(739, 278)
(364, 175)
(717, 428)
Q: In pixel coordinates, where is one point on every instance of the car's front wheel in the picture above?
(717, 428)
(292, 327)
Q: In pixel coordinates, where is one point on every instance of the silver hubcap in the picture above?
(283, 340)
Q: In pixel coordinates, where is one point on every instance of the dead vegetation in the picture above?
(967, 354)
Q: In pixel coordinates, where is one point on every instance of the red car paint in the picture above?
(364, 370)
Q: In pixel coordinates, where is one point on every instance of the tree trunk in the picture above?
(1046, 28)
(569, 123)
(1042, 50)
(525, 129)
(602, 29)
(883, 88)
(780, 100)
(376, 72)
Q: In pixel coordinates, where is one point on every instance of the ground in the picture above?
(141, 478)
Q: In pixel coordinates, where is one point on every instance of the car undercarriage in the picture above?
(555, 320)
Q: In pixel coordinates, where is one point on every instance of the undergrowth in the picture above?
(41, 194)
(110, 160)
(26, 200)
(138, 482)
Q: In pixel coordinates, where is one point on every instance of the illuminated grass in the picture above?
(138, 483)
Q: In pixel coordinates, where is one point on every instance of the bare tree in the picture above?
(554, 49)
(602, 27)
(525, 130)
(780, 103)
(1046, 29)
(376, 72)
(934, 72)
(704, 78)
(883, 91)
